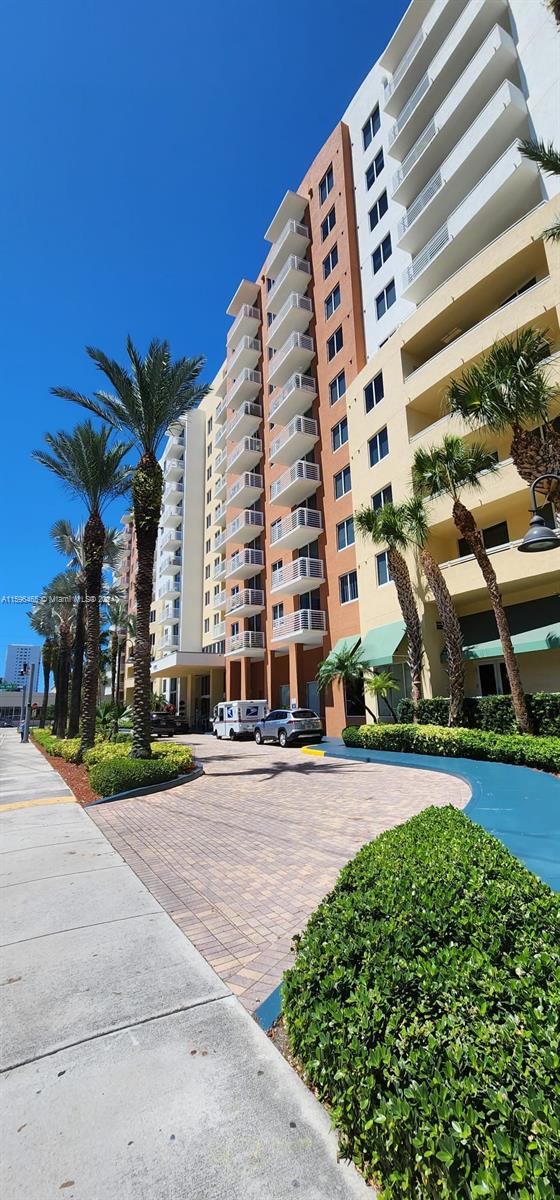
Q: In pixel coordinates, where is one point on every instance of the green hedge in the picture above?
(520, 749)
(423, 1006)
(492, 713)
(110, 768)
(123, 774)
(66, 748)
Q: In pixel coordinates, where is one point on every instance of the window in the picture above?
(329, 263)
(382, 568)
(493, 535)
(326, 185)
(332, 302)
(207, 571)
(371, 127)
(385, 299)
(378, 210)
(493, 679)
(328, 224)
(382, 497)
(339, 434)
(378, 447)
(209, 473)
(216, 589)
(374, 170)
(345, 534)
(277, 613)
(206, 598)
(209, 450)
(209, 426)
(335, 343)
(208, 545)
(337, 387)
(374, 392)
(209, 496)
(208, 520)
(342, 483)
(207, 624)
(234, 628)
(152, 615)
(381, 253)
(348, 587)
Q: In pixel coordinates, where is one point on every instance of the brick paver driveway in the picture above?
(242, 856)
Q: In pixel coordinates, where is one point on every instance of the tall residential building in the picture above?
(421, 174)
(16, 657)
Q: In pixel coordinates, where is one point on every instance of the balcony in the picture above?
(173, 491)
(295, 441)
(294, 357)
(220, 414)
(219, 630)
(245, 490)
(244, 564)
(245, 527)
(499, 122)
(170, 641)
(220, 487)
(294, 277)
(247, 644)
(219, 570)
(219, 540)
(169, 589)
(172, 541)
(246, 324)
(247, 385)
(298, 576)
(172, 516)
(298, 528)
(292, 241)
(296, 484)
(171, 614)
(220, 460)
(175, 446)
(170, 564)
(174, 469)
(406, 73)
(501, 197)
(295, 398)
(245, 357)
(219, 601)
(220, 435)
(307, 626)
(245, 603)
(294, 317)
(220, 515)
(245, 421)
(245, 455)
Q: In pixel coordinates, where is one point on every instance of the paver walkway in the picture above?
(130, 1071)
(242, 856)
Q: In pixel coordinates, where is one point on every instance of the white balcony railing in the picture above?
(246, 315)
(414, 154)
(305, 620)
(249, 522)
(219, 570)
(299, 427)
(248, 347)
(404, 64)
(423, 198)
(246, 448)
(244, 599)
(310, 569)
(308, 519)
(249, 480)
(219, 630)
(292, 264)
(297, 384)
(171, 642)
(219, 600)
(245, 641)
(304, 471)
(246, 410)
(244, 559)
(408, 109)
(247, 382)
(430, 251)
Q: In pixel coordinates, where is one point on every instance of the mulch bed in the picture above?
(75, 776)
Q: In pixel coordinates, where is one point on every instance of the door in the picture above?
(284, 695)
(312, 694)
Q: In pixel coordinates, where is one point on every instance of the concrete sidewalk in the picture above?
(130, 1070)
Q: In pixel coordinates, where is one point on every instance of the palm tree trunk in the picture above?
(46, 657)
(94, 544)
(451, 631)
(114, 658)
(119, 668)
(535, 455)
(63, 680)
(78, 666)
(401, 578)
(147, 491)
(469, 530)
(56, 676)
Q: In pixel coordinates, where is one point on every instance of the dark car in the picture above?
(285, 726)
(163, 724)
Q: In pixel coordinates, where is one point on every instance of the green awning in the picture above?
(345, 643)
(379, 645)
(545, 638)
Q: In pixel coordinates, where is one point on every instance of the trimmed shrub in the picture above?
(123, 774)
(492, 713)
(520, 749)
(66, 748)
(423, 1006)
(180, 756)
(545, 707)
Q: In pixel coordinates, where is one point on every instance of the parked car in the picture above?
(285, 726)
(163, 724)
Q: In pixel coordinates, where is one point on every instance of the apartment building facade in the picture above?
(420, 175)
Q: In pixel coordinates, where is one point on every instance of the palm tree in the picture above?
(92, 470)
(61, 593)
(381, 684)
(389, 525)
(149, 396)
(448, 469)
(117, 616)
(548, 159)
(346, 668)
(416, 523)
(127, 630)
(509, 389)
(42, 620)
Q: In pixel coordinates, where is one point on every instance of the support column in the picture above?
(245, 679)
(295, 657)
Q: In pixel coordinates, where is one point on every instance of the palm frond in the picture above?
(387, 524)
(450, 467)
(87, 464)
(508, 387)
(542, 153)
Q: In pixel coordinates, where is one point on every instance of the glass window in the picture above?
(332, 302)
(329, 263)
(207, 624)
(381, 253)
(342, 483)
(337, 387)
(378, 447)
(277, 612)
(326, 185)
(382, 568)
(210, 423)
(207, 598)
(328, 224)
(385, 299)
(335, 343)
(382, 497)
(345, 534)
(371, 127)
(493, 535)
(209, 473)
(374, 170)
(339, 434)
(207, 571)
(348, 587)
(374, 392)
(378, 210)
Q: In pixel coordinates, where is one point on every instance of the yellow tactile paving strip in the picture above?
(36, 803)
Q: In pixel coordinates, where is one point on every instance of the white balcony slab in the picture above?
(293, 317)
(294, 357)
(296, 529)
(307, 626)
(246, 324)
(295, 276)
(245, 603)
(244, 455)
(244, 564)
(295, 441)
(245, 356)
(175, 447)
(292, 240)
(247, 385)
(296, 397)
(171, 516)
(296, 484)
(298, 576)
(245, 527)
(245, 490)
(245, 421)
(247, 644)
(170, 564)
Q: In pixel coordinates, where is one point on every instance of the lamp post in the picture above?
(539, 536)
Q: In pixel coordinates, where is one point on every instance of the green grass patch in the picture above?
(519, 749)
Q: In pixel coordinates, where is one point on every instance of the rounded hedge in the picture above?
(521, 750)
(424, 1007)
(119, 774)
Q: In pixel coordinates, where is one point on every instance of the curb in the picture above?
(151, 788)
(269, 1010)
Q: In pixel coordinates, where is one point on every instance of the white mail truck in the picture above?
(237, 718)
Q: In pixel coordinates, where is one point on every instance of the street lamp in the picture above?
(539, 536)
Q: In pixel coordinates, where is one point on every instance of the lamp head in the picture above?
(539, 537)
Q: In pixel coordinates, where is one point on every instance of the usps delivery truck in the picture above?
(237, 718)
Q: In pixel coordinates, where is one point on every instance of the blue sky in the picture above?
(146, 148)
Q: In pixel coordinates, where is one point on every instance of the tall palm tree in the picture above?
(346, 668)
(547, 158)
(117, 616)
(42, 620)
(149, 395)
(61, 594)
(416, 523)
(509, 389)
(92, 470)
(388, 525)
(448, 469)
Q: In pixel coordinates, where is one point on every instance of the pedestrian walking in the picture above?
(21, 730)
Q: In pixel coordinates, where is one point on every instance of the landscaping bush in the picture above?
(180, 756)
(66, 748)
(119, 774)
(423, 1006)
(492, 713)
(519, 749)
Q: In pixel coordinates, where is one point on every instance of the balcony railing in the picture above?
(404, 64)
(414, 154)
(249, 448)
(173, 485)
(171, 560)
(245, 642)
(244, 599)
(169, 588)
(408, 109)
(299, 431)
(296, 311)
(247, 410)
(293, 263)
(249, 480)
(422, 260)
(297, 346)
(247, 525)
(309, 569)
(248, 346)
(246, 315)
(294, 237)
(171, 612)
(309, 519)
(219, 630)
(308, 473)
(297, 383)
(171, 642)
(219, 599)
(248, 381)
(244, 559)
(220, 461)
(304, 621)
(219, 570)
(423, 198)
